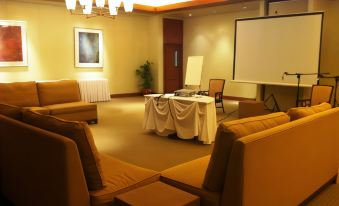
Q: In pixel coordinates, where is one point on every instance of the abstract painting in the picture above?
(88, 48)
(13, 49)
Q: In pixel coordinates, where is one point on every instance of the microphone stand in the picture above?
(336, 78)
(298, 77)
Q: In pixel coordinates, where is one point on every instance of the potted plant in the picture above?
(146, 79)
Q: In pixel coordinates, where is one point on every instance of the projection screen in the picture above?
(266, 47)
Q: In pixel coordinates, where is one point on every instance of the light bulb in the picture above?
(70, 4)
(128, 5)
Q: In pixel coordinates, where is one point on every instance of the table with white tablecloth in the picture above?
(94, 90)
(186, 116)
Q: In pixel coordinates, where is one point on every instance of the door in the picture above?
(172, 67)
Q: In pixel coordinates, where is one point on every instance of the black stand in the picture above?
(275, 107)
(298, 77)
(336, 78)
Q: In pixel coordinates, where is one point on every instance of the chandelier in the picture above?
(87, 8)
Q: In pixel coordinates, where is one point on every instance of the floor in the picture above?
(119, 133)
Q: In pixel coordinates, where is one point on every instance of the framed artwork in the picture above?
(13, 46)
(88, 47)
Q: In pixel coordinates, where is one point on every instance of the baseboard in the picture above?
(126, 95)
(237, 98)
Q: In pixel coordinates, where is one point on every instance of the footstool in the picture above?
(251, 108)
(156, 194)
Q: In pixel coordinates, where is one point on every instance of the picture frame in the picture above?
(13, 43)
(88, 47)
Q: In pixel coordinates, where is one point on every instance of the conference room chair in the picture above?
(216, 88)
(319, 94)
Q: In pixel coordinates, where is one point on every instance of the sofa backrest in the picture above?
(300, 112)
(22, 94)
(57, 92)
(283, 165)
(39, 167)
(227, 134)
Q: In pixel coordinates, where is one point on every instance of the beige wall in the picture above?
(156, 51)
(50, 40)
(213, 37)
(330, 43)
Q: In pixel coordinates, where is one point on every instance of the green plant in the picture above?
(144, 72)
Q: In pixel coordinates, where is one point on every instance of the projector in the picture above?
(184, 93)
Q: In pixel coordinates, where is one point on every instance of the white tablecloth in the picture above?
(186, 116)
(94, 90)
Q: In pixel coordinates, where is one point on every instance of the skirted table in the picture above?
(186, 116)
(94, 90)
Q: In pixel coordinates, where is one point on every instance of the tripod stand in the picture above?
(298, 77)
(336, 78)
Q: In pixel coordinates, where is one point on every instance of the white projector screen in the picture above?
(266, 47)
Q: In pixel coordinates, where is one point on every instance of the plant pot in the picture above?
(146, 91)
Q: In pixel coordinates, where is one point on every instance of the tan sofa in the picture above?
(264, 160)
(58, 98)
(42, 166)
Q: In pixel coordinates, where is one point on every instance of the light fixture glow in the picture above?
(128, 5)
(70, 4)
(88, 8)
(113, 7)
(114, 3)
(100, 3)
(82, 2)
(159, 2)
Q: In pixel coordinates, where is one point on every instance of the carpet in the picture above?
(119, 133)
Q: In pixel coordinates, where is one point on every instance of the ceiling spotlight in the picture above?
(190, 14)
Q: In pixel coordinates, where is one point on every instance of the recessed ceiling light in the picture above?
(244, 7)
(190, 14)
(214, 12)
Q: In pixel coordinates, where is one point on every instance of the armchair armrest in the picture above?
(218, 96)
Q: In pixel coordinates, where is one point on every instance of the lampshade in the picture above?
(70, 4)
(114, 3)
(82, 2)
(113, 8)
(128, 5)
(100, 3)
(88, 7)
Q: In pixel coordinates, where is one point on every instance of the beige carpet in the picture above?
(119, 133)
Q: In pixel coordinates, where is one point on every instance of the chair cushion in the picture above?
(120, 177)
(300, 112)
(57, 92)
(227, 134)
(11, 111)
(190, 177)
(22, 94)
(80, 133)
(72, 107)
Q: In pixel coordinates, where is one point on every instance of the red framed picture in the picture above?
(13, 47)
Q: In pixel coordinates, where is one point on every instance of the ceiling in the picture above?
(183, 5)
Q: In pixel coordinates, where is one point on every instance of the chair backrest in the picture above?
(320, 94)
(216, 85)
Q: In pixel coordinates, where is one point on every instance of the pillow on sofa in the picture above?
(11, 111)
(227, 134)
(80, 133)
(300, 112)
